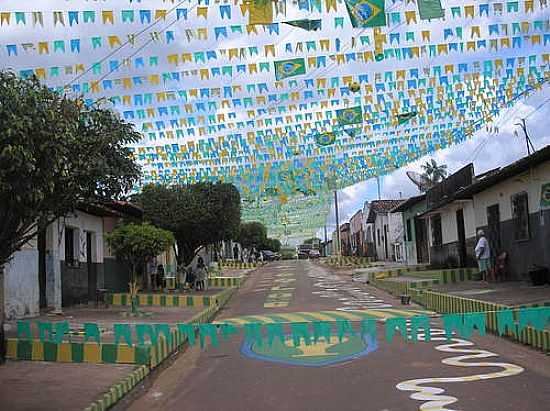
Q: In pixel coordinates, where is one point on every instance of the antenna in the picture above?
(528, 142)
(419, 180)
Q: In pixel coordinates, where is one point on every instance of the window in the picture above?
(409, 230)
(69, 245)
(437, 235)
(520, 216)
(378, 235)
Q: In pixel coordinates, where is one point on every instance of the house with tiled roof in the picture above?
(387, 230)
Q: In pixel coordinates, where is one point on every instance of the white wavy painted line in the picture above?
(438, 402)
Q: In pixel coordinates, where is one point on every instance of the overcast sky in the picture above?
(486, 151)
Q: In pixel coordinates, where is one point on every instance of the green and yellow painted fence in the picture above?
(447, 303)
(237, 264)
(433, 278)
(348, 261)
(225, 282)
(163, 300)
(76, 352)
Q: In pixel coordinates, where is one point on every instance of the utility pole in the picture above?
(326, 242)
(378, 185)
(528, 142)
(338, 251)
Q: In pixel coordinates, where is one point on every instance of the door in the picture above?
(92, 276)
(461, 231)
(493, 229)
(421, 236)
(42, 268)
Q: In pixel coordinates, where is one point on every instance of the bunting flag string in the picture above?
(287, 100)
(409, 329)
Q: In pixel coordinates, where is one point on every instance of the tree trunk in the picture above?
(2, 336)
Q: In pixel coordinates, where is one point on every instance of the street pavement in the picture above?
(483, 373)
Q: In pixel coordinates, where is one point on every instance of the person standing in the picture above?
(235, 252)
(483, 255)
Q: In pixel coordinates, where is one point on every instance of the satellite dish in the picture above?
(419, 180)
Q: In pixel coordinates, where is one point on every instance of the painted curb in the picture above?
(452, 304)
(158, 355)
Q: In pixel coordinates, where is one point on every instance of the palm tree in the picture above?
(433, 172)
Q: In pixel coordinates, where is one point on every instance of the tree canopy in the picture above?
(197, 214)
(55, 153)
(136, 244)
(252, 234)
(271, 244)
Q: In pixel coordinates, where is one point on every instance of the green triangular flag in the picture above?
(306, 24)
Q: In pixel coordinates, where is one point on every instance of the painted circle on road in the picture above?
(319, 354)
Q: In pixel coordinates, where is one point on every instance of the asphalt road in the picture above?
(353, 375)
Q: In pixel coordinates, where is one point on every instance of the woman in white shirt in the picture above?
(483, 255)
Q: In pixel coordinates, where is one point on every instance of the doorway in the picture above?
(493, 229)
(92, 275)
(421, 236)
(461, 231)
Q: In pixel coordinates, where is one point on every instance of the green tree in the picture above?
(55, 153)
(197, 214)
(135, 245)
(271, 244)
(252, 234)
(312, 241)
(433, 172)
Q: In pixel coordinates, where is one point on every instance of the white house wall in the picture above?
(85, 223)
(502, 193)
(21, 288)
(448, 222)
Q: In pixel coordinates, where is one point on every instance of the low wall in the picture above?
(346, 261)
(163, 300)
(92, 353)
(446, 303)
(225, 282)
(237, 264)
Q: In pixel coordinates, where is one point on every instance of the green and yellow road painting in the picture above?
(281, 292)
(313, 355)
(323, 352)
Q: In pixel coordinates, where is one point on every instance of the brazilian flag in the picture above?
(325, 139)
(289, 68)
(352, 115)
(366, 13)
(430, 9)
(404, 117)
(306, 24)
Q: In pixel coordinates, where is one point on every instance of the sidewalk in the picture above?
(507, 293)
(45, 386)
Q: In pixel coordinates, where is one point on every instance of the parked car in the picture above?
(270, 255)
(314, 254)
